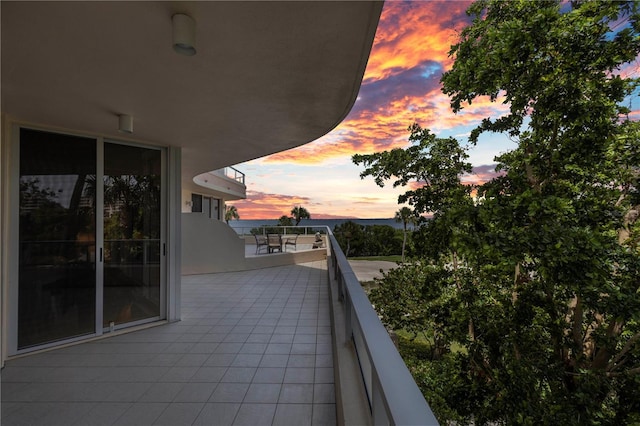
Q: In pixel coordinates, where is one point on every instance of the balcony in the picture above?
(227, 183)
(287, 345)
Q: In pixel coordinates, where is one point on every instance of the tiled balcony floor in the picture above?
(253, 348)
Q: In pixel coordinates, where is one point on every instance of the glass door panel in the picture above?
(57, 237)
(206, 207)
(132, 232)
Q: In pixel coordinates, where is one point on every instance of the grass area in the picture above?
(421, 344)
(421, 338)
(393, 258)
(416, 350)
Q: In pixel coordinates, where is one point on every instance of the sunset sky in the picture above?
(401, 86)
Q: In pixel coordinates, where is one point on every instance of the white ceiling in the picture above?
(267, 76)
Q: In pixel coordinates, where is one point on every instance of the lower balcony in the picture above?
(286, 345)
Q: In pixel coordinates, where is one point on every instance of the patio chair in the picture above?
(261, 241)
(291, 241)
(274, 242)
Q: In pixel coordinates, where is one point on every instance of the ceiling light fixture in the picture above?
(184, 34)
(125, 123)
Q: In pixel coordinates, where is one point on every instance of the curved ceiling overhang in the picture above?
(267, 76)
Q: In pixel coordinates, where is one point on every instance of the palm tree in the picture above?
(300, 213)
(231, 212)
(406, 216)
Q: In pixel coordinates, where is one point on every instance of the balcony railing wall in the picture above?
(394, 396)
(277, 229)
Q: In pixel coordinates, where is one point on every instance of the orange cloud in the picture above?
(384, 130)
(261, 205)
(411, 31)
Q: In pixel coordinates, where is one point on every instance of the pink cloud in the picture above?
(262, 205)
(478, 176)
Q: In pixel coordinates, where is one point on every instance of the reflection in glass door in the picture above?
(57, 237)
(132, 234)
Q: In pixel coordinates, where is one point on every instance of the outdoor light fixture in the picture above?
(125, 123)
(184, 34)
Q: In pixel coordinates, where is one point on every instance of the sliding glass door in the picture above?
(90, 251)
(132, 233)
(57, 237)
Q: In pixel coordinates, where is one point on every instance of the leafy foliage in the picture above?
(285, 221)
(132, 202)
(298, 213)
(370, 240)
(231, 213)
(529, 292)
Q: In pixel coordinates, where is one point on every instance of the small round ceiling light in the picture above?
(184, 34)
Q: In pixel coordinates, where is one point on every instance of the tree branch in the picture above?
(627, 347)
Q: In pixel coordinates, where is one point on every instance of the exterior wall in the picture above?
(209, 246)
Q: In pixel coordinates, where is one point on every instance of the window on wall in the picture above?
(196, 203)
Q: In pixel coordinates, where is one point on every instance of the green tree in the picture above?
(350, 236)
(285, 221)
(406, 217)
(131, 201)
(300, 213)
(231, 213)
(371, 240)
(530, 292)
(380, 240)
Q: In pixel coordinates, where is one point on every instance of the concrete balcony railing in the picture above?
(391, 392)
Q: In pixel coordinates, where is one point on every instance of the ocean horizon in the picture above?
(244, 226)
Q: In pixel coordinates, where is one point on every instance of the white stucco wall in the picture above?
(210, 246)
